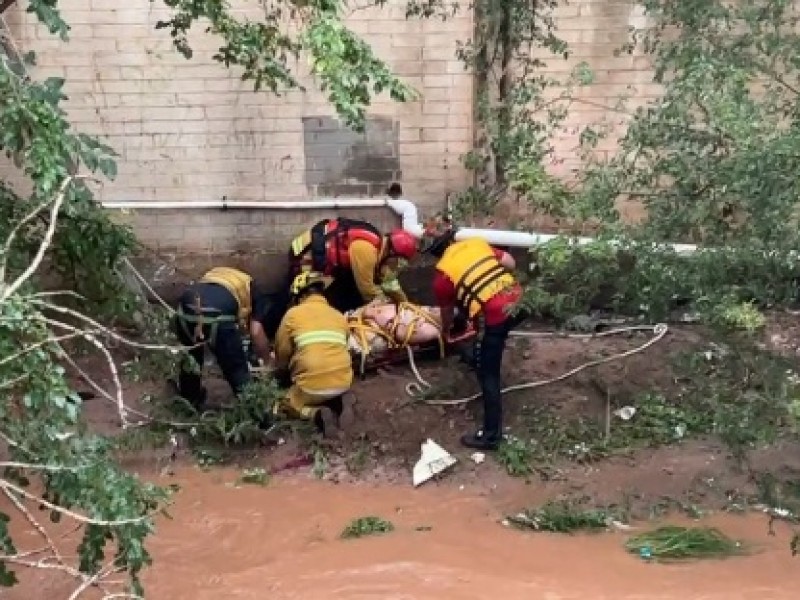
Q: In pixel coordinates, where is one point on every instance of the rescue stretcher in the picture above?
(382, 335)
(386, 334)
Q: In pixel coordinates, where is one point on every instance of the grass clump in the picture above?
(364, 526)
(562, 516)
(255, 476)
(682, 543)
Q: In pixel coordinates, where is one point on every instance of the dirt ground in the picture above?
(385, 442)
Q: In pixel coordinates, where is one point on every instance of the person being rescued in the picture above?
(377, 327)
(212, 313)
(477, 279)
(311, 355)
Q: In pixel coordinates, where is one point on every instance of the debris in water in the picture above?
(364, 526)
(676, 543)
(561, 517)
(256, 476)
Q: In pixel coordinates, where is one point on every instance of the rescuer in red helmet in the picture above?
(362, 261)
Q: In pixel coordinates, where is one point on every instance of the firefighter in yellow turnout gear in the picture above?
(214, 313)
(311, 349)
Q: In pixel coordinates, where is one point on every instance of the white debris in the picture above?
(433, 461)
(625, 413)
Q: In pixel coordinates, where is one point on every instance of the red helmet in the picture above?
(402, 244)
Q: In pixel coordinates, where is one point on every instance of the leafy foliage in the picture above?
(346, 67)
(711, 159)
(519, 107)
(632, 276)
(51, 456)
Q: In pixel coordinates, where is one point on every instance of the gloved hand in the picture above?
(456, 335)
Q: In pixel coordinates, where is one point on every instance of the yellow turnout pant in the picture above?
(303, 404)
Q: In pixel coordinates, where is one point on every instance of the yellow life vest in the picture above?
(238, 284)
(477, 275)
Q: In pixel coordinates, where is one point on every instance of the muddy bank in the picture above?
(282, 541)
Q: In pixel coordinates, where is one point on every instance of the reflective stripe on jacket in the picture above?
(312, 342)
(302, 340)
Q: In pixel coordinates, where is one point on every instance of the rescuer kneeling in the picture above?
(311, 353)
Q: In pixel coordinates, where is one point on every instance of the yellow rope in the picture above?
(418, 312)
(360, 328)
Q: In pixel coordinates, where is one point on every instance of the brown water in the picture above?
(281, 542)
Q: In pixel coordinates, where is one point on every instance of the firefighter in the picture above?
(311, 352)
(361, 261)
(476, 279)
(214, 312)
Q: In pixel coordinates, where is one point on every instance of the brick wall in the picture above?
(190, 130)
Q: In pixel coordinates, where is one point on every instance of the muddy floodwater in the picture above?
(281, 541)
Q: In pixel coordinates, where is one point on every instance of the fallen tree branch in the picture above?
(147, 286)
(104, 393)
(7, 485)
(49, 340)
(32, 520)
(112, 366)
(43, 246)
(95, 579)
(101, 329)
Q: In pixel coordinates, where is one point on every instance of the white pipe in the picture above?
(405, 209)
(520, 239)
(322, 203)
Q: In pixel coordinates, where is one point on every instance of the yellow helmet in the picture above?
(305, 280)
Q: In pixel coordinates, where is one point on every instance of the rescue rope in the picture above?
(147, 286)
(359, 327)
(417, 389)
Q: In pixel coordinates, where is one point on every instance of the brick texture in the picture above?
(191, 130)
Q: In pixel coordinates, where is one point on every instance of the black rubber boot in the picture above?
(198, 402)
(327, 423)
(347, 416)
(480, 441)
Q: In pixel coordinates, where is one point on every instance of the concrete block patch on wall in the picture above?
(342, 162)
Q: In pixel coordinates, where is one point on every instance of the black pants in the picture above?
(488, 360)
(225, 343)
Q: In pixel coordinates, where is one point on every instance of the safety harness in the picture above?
(200, 318)
(360, 327)
(312, 247)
